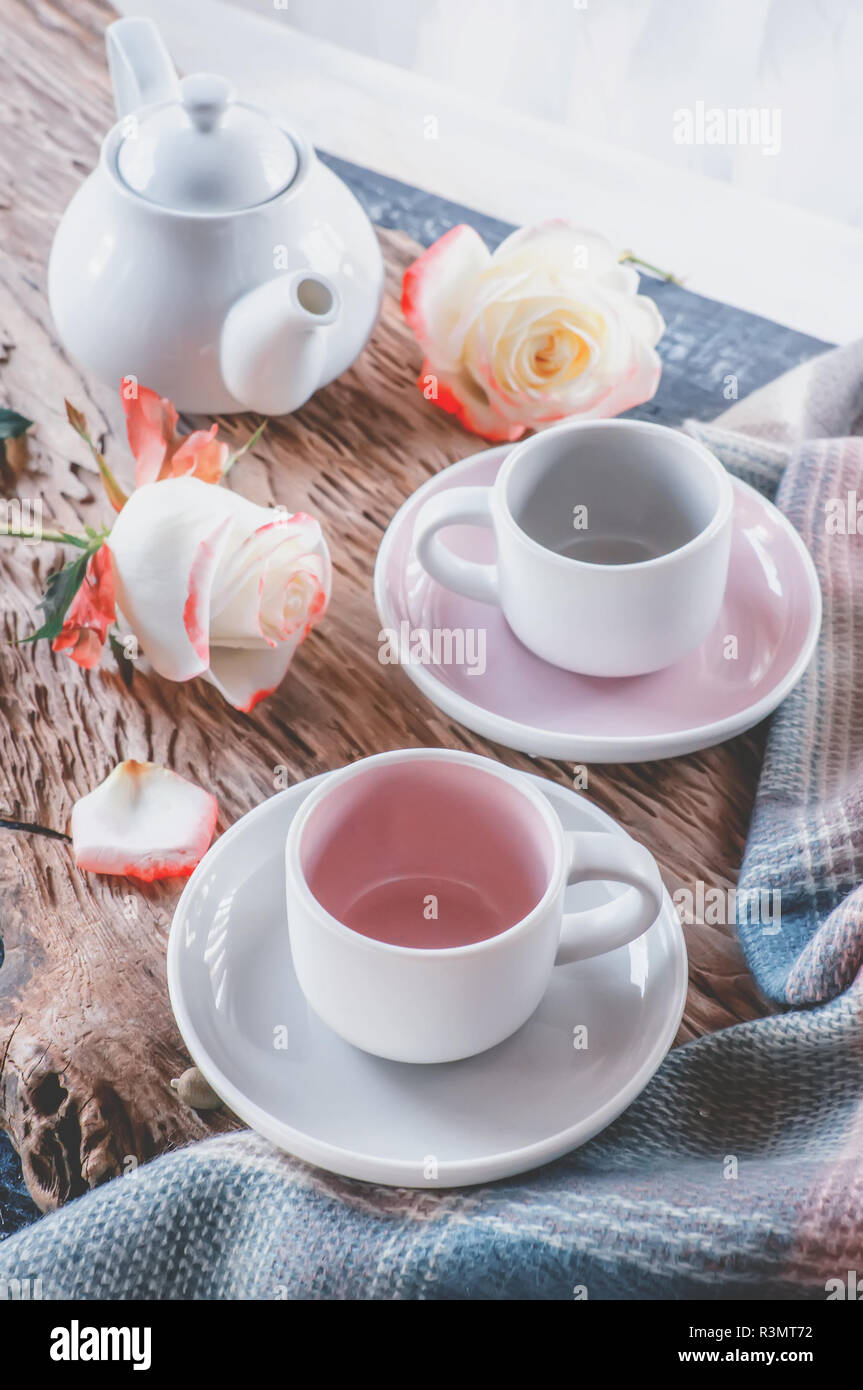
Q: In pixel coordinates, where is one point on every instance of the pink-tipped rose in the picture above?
(214, 585)
(548, 326)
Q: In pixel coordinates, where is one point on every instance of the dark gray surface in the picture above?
(16, 1208)
(705, 343)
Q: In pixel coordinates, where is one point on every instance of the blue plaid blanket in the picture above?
(739, 1170)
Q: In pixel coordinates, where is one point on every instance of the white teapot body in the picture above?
(220, 308)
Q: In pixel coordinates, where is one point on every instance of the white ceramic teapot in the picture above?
(210, 255)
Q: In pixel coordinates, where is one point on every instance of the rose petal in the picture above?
(241, 608)
(462, 397)
(246, 676)
(621, 279)
(557, 246)
(294, 600)
(167, 542)
(143, 821)
(202, 455)
(435, 286)
(622, 365)
(300, 532)
(196, 610)
(151, 424)
(90, 614)
(643, 317)
(638, 385)
(83, 645)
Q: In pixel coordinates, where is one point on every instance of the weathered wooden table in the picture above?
(87, 1040)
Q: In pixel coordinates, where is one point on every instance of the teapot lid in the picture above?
(206, 153)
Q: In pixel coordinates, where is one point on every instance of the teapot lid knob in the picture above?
(206, 152)
(206, 96)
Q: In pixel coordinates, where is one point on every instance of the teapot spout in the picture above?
(274, 342)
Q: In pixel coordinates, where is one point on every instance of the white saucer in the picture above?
(772, 609)
(529, 1100)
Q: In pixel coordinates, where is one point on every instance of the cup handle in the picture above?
(465, 505)
(595, 854)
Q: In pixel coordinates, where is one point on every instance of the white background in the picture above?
(615, 71)
(545, 107)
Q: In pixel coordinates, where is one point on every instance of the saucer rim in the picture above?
(525, 738)
(397, 1172)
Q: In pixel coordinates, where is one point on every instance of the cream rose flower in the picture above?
(214, 585)
(548, 326)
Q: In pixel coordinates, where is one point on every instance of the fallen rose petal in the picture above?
(143, 821)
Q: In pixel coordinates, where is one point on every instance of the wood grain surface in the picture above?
(88, 1044)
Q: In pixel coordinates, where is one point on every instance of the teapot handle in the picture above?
(141, 69)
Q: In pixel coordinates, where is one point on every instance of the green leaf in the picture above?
(62, 587)
(126, 667)
(12, 425)
(81, 541)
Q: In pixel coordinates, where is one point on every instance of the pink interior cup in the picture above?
(427, 853)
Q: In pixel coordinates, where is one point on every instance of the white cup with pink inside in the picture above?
(425, 895)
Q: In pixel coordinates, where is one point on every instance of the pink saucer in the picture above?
(772, 607)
